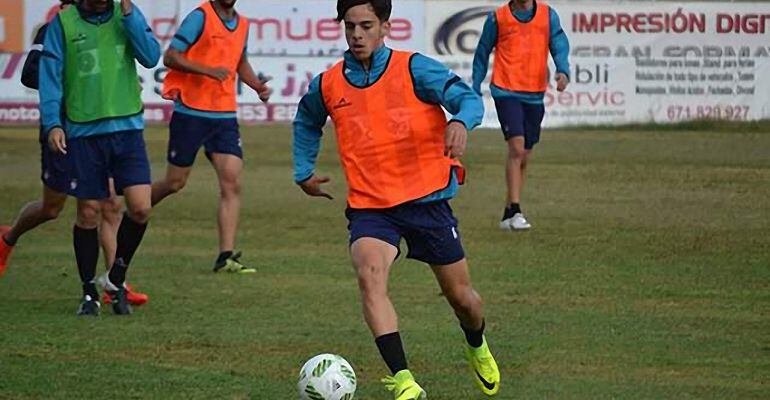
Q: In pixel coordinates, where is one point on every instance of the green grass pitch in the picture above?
(646, 276)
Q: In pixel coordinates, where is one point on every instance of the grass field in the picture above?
(646, 276)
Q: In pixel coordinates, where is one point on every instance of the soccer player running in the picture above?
(88, 69)
(206, 54)
(399, 155)
(521, 32)
(55, 180)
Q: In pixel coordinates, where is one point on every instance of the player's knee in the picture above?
(176, 185)
(140, 215)
(230, 187)
(371, 280)
(87, 215)
(517, 154)
(52, 211)
(111, 208)
(464, 299)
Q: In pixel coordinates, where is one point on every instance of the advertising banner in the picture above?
(635, 62)
(629, 62)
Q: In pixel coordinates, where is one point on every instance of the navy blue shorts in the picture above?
(54, 170)
(93, 160)
(188, 133)
(520, 119)
(430, 230)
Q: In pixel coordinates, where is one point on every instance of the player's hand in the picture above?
(57, 141)
(218, 73)
(312, 187)
(456, 139)
(561, 81)
(126, 6)
(264, 91)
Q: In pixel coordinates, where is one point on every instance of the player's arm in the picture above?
(146, 48)
(435, 83)
(51, 86)
(31, 70)
(252, 80)
(486, 44)
(308, 129)
(559, 47)
(187, 34)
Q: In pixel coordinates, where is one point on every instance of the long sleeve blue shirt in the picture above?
(433, 83)
(146, 51)
(558, 46)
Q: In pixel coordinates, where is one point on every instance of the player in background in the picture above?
(400, 158)
(521, 32)
(205, 57)
(88, 69)
(55, 181)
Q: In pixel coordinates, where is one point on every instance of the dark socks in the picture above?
(511, 210)
(86, 243)
(392, 351)
(223, 256)
(130, 235)
(8, 242)
(474, 338)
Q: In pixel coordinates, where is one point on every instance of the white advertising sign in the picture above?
(635, 62)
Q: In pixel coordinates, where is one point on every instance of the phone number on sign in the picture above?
(683, 113)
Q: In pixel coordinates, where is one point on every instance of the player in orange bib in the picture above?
(521, 33)
(205, 57)
(401, 157)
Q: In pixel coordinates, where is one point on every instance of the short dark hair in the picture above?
(382, 8)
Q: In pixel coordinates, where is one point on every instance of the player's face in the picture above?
(364, 31)
(227, 3)
(97, 6)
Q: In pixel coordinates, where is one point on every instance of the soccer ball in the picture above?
(327, 377)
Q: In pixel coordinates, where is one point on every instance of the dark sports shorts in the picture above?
(188, 133)
(430, 230)
(54, 170)
(93, 160)
(518, 118)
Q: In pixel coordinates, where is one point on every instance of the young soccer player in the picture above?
(55, 181)
(521, 32)
(89, 70)
(399, 155)
(206, 55)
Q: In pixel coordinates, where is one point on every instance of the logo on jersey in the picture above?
(342, 104)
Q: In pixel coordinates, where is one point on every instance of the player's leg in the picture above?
(89, 183)
(174, 181)
(112, 214)
(372, 259)
(455, 283)
(223, 149)
(108, 228)
(228, 168)
(186, 136)
(510, 112)
(131, 173)
(55, 178)
(30, 216)
(532, 119)
(431, 232)
(374, 241)
(85, 238)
